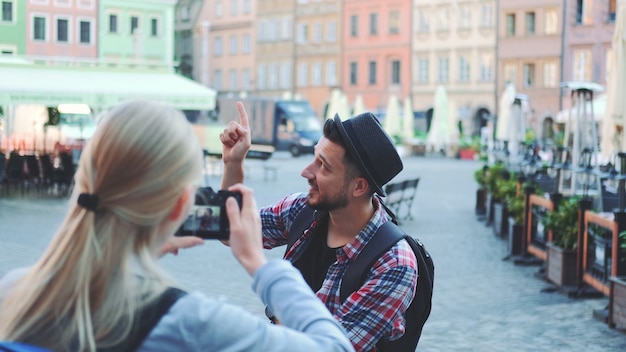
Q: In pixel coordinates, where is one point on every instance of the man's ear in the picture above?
(360, 186)
(180, 205)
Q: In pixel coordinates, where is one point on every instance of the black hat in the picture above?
(371, 147)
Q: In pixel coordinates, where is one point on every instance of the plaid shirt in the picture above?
(377, 309)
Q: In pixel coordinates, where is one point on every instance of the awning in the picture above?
(99, 88)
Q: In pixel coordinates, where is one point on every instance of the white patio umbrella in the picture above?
(439, 136)
(344, 107)
(408, 131)
(453, 122)
(333, 103)
(359, 105)
(504, 112)
(391, 123)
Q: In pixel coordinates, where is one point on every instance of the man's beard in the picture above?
(334, 202)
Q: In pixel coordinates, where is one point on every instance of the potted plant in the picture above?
(516, 205)
(618, 289)
(562, 221)
(495, 174)
(480, 176)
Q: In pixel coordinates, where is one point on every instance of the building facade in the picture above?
(13, 28)
(454, 46)
(376, 57)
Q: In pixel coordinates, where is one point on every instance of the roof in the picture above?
(99, 88)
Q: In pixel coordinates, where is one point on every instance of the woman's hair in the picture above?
(85, 290)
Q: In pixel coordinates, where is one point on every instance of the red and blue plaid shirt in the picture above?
(377, 309)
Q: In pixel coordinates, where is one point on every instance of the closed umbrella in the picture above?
(453, 122)
(616, 88)
(391, 124)
(344, 107)
(408, 131)
(333, 104)
(504, 112)
(439, 135)
(359, 105)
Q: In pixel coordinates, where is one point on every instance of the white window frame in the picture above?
(246, 44)
(303, 74)
(245, 7)
(219, 9)
(232, 45)
(274, 75)
(86, 4)
(331, 31)
(62, 3)
(422, 70)
(232, 79)
(56, 28)
(130, 21)
(286, 28)
(423, 23)
(465, 16)
(285, 75)
(486, 15)
(464, 69)
(218, 47)
(316, 74)
(582, 65)
(551, 22)
(550, 74)
(92, 28)
(234, 8)
(108, 24)
(443, 69)
(303, 30)
(486, 67)
(159, 26)
(46, 31)
(261, 81)
(218, 80)
(317, 32)
(245, 79)
(13, 12)
(331, 73)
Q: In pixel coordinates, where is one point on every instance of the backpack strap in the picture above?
(387, 235)
(150, 315)
(300, 223)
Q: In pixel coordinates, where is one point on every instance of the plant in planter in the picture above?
(563, 222)
(516, 205)
(495, 173)
(618, 289)
(480, 176)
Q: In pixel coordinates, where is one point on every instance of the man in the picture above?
(353, 161)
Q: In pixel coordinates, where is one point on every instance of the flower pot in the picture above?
(467, 154)
(500, 216)
(617, 304)
(561, 266)
(481, 202)
(515, 233)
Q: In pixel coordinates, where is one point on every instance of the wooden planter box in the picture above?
(500, 220)
(617, 305)
(561, 266)
(516, 231)
(481, 202)
(467, 154)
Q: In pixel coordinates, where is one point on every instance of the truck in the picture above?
(275, 124)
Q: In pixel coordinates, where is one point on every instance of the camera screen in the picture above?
(207, 219)
(203, 218)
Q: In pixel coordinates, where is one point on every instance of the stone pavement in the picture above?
(480, 303)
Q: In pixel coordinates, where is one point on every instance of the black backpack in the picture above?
(386, 237)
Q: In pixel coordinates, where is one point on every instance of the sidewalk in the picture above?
(480, 303)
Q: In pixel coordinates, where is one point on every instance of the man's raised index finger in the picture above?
(243, 115)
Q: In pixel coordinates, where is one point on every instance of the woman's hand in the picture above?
(173, 244)
(245, 230)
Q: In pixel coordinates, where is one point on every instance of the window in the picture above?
(354, 25)
(286, 28)
(353, 73)
(372, 73)
(510, 25)
(218, 9)
(7, 11)
(217, 79)
(39, 28)
(245, 45)
(422, 70)
(331, 73)
(261, 76)
(373, 23)
(444, 66)
(184, 13)
(245, 79)
(112, 23)
(510, 73)
(394, 22)
(550, 74)
(465, 19)
(530, 23)
(217, 50)
(233, 45)
(154, 27)
(245, 7)
(233, 7)
(529, 75)
(316, 79)
(62, 30)
(134, 24)
(551, 21)
(285, 75)
(331, 32)
(582, 65)
(303, 33)
(317, 32)
(85, 32)
(232, 79)
(486, 16)
(303, 72)
(584, 12)
(423, 26)
(273, 79)
(395, 72)
(464, 69)
(443, 20)
(486, 67)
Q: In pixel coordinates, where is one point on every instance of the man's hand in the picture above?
(236, 138)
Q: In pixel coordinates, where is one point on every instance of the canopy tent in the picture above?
(99, 88)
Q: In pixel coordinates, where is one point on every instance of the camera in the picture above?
(208, 219)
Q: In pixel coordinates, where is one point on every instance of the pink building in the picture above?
(376, 54)
(62, 28)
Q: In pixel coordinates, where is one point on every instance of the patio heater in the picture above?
(587, 175)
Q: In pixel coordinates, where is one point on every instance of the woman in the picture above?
(135, 185)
